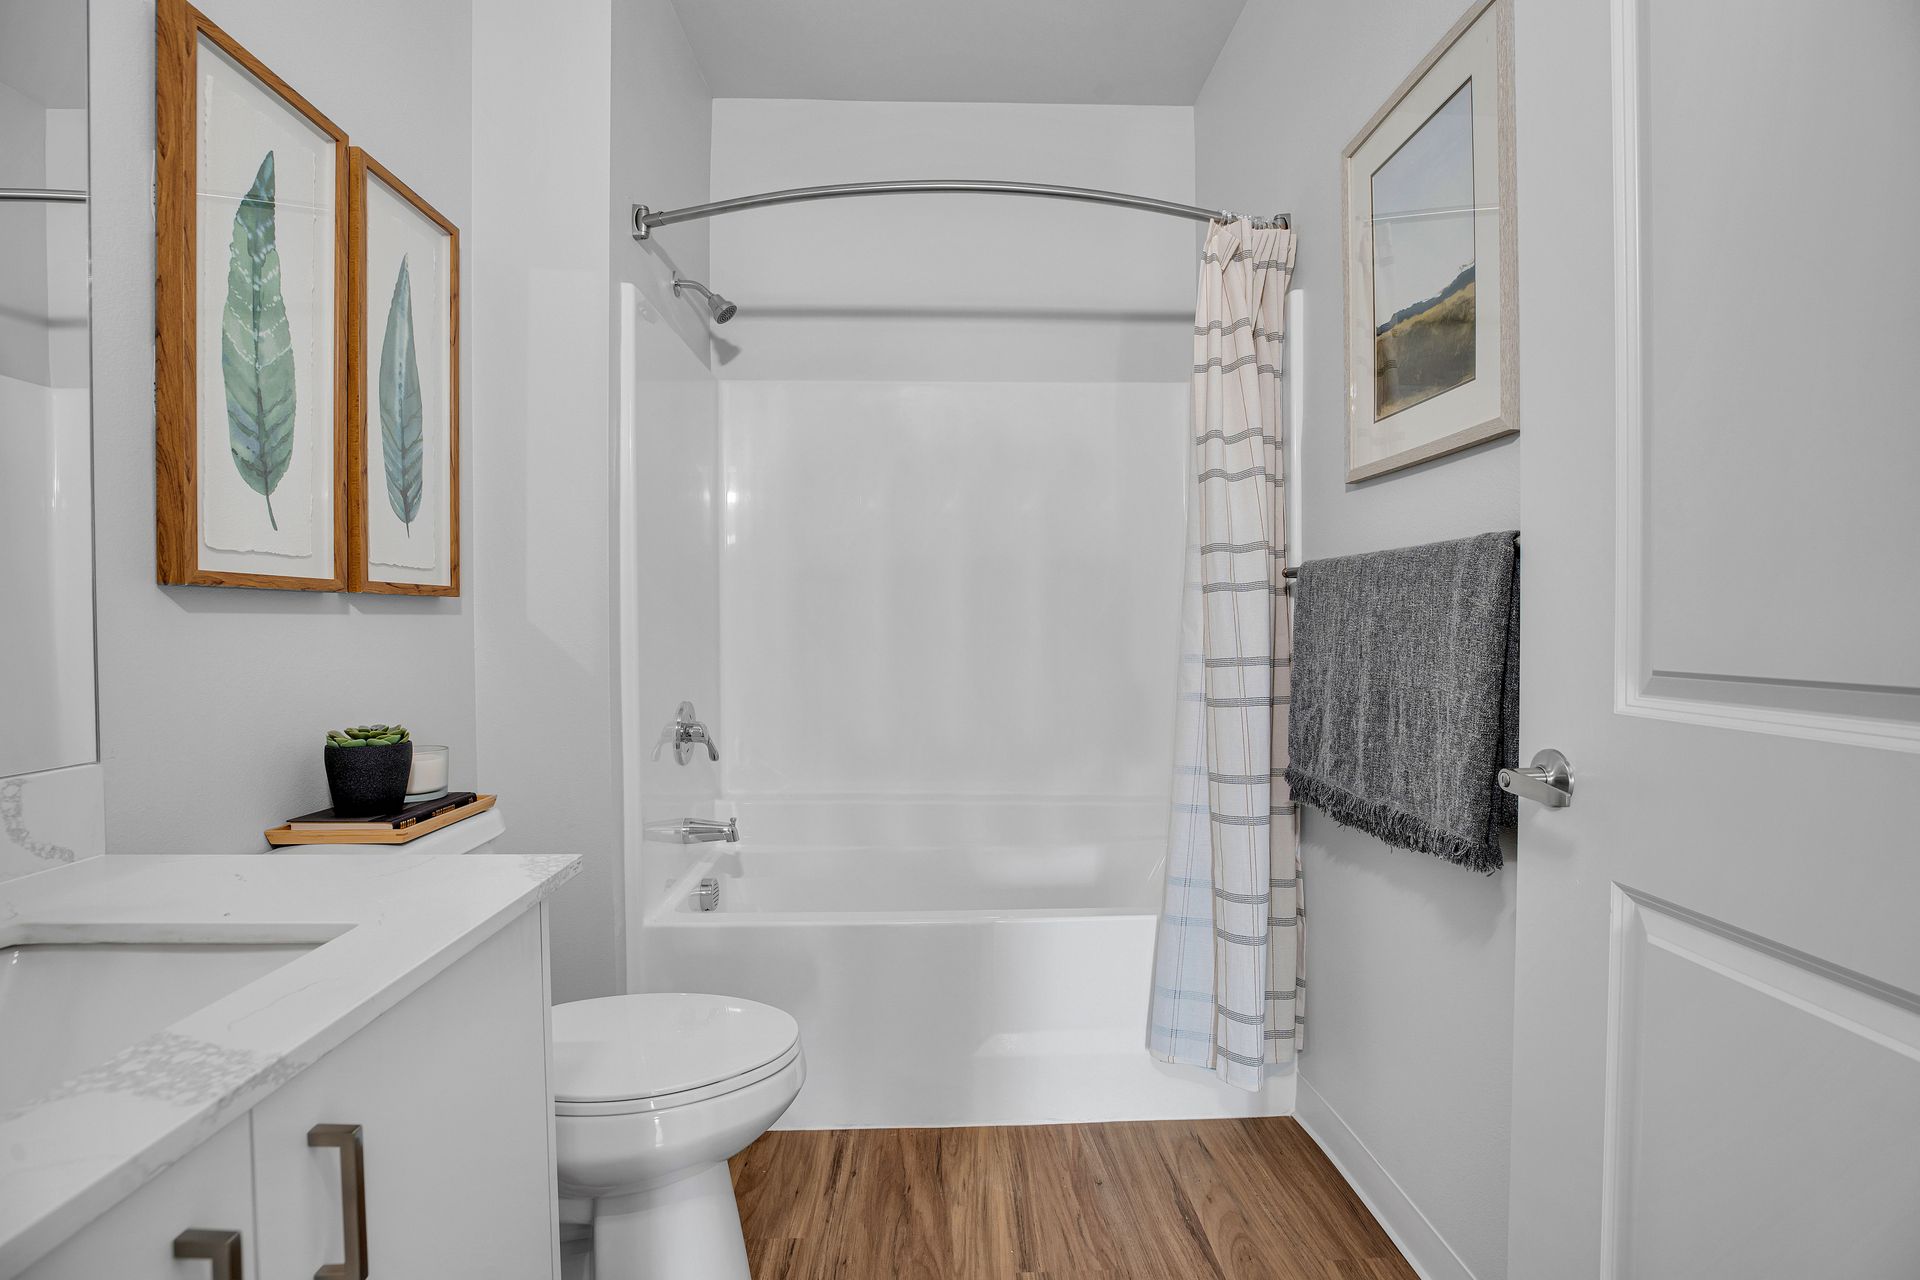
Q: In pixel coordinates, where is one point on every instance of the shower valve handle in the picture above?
(685, 733)
(697, 733)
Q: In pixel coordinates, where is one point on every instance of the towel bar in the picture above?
(1293, 571)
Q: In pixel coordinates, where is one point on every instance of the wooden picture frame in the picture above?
(1441, 372)
(376, 494)
(199, 539)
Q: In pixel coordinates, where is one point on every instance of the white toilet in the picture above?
(652, 1094)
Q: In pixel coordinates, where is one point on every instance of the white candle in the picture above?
(429, 771)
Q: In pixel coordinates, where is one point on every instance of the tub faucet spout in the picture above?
(703, 830)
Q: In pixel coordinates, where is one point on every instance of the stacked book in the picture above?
(409, 823)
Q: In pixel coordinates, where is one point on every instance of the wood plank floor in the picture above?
(1239, 1199)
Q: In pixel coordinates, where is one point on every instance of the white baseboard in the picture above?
(1417, 1238)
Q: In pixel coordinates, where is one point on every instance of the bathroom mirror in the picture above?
(46, 479)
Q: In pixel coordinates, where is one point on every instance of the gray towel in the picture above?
(1406, 693)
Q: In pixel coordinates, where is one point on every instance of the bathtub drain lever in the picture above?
(707, 896)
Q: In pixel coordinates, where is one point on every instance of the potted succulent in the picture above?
(367, 769)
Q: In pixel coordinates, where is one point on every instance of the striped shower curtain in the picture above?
(1227, 992)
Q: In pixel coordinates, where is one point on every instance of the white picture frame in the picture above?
(1429, 249)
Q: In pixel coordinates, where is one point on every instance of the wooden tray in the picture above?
(285, 834)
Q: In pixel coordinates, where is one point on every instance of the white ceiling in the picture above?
(43, 50)
(1098, 51)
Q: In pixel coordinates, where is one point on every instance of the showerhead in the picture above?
(718, 307)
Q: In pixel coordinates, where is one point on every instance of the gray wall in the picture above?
(213, 700)
(552, 188)
(1409, 959)
(543, 577)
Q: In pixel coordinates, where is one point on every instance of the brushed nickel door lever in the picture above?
(1549, 781)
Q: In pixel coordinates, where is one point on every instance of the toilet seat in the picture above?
(681, 1098)
(620, 1055)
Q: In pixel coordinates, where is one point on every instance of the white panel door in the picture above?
(1717, 1060)
(209, 1189)
(450, 1091)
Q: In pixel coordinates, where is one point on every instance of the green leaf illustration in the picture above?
(256, 346)
(402, 447)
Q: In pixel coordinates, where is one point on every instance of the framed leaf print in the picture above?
(250, 302)
(404, 334)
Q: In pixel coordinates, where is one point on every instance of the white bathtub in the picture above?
(950, 963)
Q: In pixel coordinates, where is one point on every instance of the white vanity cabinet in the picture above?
(211, 1189)
(448, 1090)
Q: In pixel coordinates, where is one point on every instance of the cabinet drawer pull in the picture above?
(221, 1248)
(353, 1199)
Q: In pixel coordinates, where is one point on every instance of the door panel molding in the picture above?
(1643, 929)
(1884, 718)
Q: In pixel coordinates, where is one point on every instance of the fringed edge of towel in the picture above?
(1391, 824)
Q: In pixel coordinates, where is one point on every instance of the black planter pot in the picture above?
(366, 781)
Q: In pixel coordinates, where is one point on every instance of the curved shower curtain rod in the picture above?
(646, 219)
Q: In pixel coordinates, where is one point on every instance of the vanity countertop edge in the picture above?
(386, 924)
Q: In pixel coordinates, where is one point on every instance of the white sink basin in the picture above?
(69, 1006)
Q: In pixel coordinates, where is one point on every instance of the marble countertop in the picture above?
(387, 922)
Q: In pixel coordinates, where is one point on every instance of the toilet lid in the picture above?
(641, 1046)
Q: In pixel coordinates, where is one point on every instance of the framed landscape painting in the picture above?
(250, 320)
(404, 335)
(1428, 243)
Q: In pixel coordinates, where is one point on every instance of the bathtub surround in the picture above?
(1406, 694)
(882, 566)
(669, 575)
(1227, 985)
(1408, 1080)
(897, 424)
